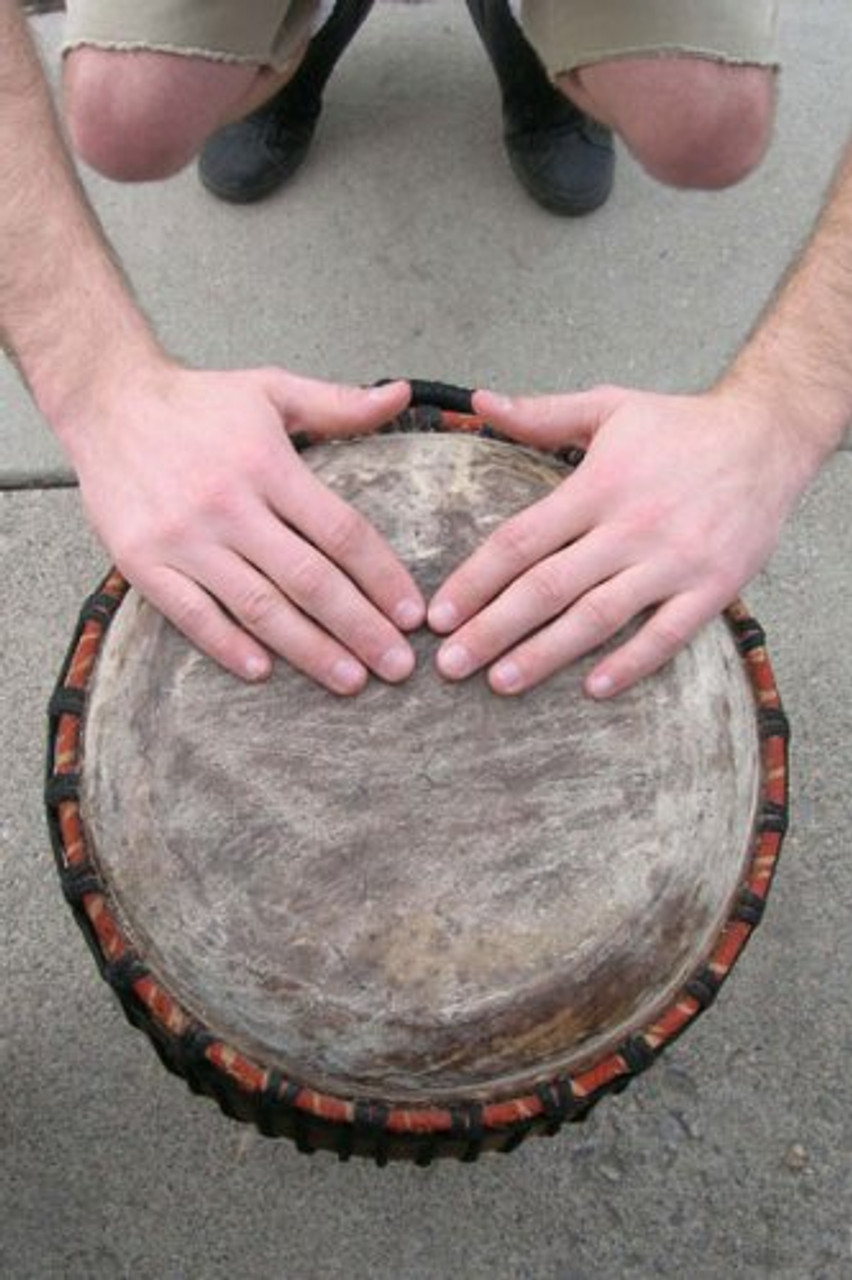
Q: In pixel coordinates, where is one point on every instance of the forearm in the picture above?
(67, 317)
(798, 361)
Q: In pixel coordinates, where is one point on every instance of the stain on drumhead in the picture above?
(427, 891)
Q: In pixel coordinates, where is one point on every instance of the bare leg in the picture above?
(139, 116)
(690, 122)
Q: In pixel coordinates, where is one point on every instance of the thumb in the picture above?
(328, 409)
(553, 421)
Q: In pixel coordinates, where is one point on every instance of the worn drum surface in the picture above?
(426, 895)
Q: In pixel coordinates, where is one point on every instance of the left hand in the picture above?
(680, 500)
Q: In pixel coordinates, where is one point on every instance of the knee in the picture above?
(719, 139)
(700, 124)
(121, 120)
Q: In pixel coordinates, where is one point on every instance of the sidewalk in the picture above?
(731, 1158)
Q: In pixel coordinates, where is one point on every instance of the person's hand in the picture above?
(679, 501)
(190, 480)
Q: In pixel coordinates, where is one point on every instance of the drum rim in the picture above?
(279, 1106)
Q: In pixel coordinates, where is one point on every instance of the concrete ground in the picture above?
(407, 249)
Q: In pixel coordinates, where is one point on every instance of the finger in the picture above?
(665, 633)
(348, 540)
(540, 595)
(194, 613)
(513, 548)
(280, 570)
(262, 609)
(329, 409)
(595, 618)
(551, 421)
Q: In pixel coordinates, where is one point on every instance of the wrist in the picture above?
(787, 457)
(801, 428)
(74, 400)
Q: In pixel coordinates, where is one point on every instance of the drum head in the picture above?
(425, 892)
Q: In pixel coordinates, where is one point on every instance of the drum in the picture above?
(427, 920)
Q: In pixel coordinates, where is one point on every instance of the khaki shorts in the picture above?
(265, 32)
(574, 33)
(566, 33)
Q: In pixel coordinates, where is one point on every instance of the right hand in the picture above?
(190, 480)
(679, 502)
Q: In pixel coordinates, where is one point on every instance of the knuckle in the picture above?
(135, 552)
(513, 541)
(546, 584)
(257, 463)
(603, 482)
(723, 582)
(306, 578)
(691, 551)
(215, 497)
(597, 616)
(345, 532)
(257, 605)
(647, 520)
(190, 614)
(665, 638)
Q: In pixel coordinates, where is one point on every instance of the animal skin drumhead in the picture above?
(426, 891)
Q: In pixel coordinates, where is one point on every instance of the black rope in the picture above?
(773, 817)
(430, 401)
(121, 974)
(748, 633)
(559, 1103)
(517, 1134)
(638, 1054)
(749, 908)
(442, 395)
(77, 882)
(475, 1134)
(100, 607)
(267, 1110)
(193, 1063)
(70, 702)
(773, 723)
(370, 1128)
(61, 787)
(703, 988)
(425, 1151)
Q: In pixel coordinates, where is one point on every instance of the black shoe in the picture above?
(561, 157)
(566, 165)
(254, 157)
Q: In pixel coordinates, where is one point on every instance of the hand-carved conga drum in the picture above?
(427, 920)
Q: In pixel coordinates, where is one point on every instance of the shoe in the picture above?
(254, 157)
(567, 165)
(561, 157)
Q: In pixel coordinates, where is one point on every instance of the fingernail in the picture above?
(396, 664)
(408, 614)
(256, 667)
(600, 686)
(455, 661)
(506, 678)
(443, 617)
(347, 675)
